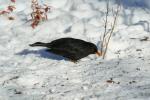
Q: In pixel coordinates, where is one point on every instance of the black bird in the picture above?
(73, 49)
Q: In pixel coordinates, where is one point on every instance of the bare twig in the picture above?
(112, 29)
(105, 26)
(108, 33)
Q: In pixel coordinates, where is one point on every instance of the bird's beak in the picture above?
(98, 53)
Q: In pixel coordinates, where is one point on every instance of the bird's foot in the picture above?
(74, 61)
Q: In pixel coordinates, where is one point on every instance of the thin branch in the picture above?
(112, 29)
(105, 26)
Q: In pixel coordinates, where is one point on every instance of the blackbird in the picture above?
(73, 49)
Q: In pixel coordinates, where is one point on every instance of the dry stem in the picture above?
(108, 33)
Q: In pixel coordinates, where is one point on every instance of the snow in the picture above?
(28, 73)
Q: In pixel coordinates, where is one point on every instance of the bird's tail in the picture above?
(39, 44)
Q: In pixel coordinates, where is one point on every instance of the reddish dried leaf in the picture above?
(110, 81)
(4, 12)
(39, 13)
(13, 1)
(32, 25)
(35, 23)
(11, 8)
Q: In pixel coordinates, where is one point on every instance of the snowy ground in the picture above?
(33, 74)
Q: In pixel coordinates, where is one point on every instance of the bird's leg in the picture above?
(74, 61)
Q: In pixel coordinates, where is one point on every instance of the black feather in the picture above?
(73, 49)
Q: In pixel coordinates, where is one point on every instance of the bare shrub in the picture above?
(39, 13)
(108, 32)
(10, 8)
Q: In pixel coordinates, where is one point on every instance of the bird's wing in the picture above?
(65, 53)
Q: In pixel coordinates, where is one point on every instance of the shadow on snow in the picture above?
(42, 53)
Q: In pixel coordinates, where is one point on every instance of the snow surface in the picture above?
(33, 74)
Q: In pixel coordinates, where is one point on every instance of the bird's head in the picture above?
(95, 50)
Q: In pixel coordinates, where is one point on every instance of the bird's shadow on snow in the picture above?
(42, 53)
